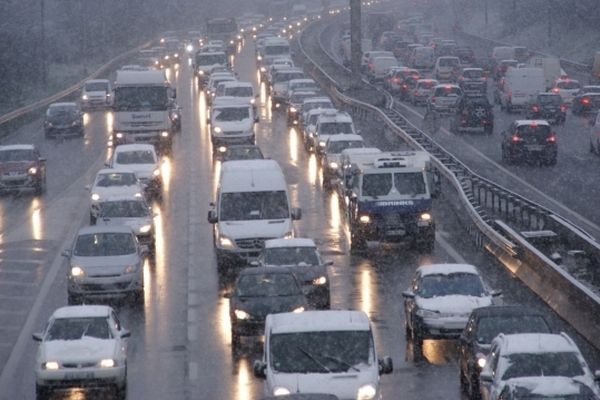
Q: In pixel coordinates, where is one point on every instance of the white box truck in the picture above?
(520, 86)
(551, 68)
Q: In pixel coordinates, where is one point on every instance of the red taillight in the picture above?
(563, 107)
(416, 92)
(535, 108)
(432, 99)
(404, 86)
(551, 138)
(585, 100)
(556, 90)
(396, 80)
(515, 139)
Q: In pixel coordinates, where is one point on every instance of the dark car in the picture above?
(242, 152)
(465, 54)
(587, 101)
(473, 114)
(22, 167)
(63, 118)
(522, 391)
(485, 324)
(260, 291)
(529, 140)
(407, 84)
(548, 106)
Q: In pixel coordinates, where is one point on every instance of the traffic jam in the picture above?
(271, 147)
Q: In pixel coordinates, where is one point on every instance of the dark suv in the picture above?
(529, 140)
(548, 106)
(473, 114)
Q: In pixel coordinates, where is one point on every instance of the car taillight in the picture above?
(563, 107)
(396, 80)
(515, 139)
(551, 138)
(585, 100)
(432, 99)
(556, 90)
(535, 108)
(404, 86)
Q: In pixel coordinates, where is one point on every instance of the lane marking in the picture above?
(449, 249)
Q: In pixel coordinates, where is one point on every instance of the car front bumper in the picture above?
(120, 285)
(77, 377)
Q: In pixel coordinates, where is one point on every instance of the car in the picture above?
(105, 261)
(259, 291)
(22, 167)
(133, 212)
(96, 93)
(541, 360)
(394, 80)
(279, 80)
(567, 88)
(294, 103)
(143, 160)
(242, 152)
(440, 300)
(447, 68)
(312, 103)
(421, 91)
(232, 121)
(239, 90)
(309, 132)
(473, 114)
(444, 98)
(473, 82)
(213, 82)
(535, 391)
(64, 118)
(529, 140)
(465, 54)
(548, 106)
(304, 84)
(112, 182)
(332, 123)
(331, 158)
(301, 257)
(82, 345)
(485, 323)
(586, 101)
(379, 66)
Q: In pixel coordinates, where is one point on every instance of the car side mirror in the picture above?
(485, 377)
(38, 337)
(296, 214)
(496, 293)
(125, 333)
(328, 263)
(386, 366)
(66, 253)
(212, 217)
(259, 369)
(408, 294)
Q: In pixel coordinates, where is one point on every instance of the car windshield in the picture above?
(136, 157)
(243, 153)
(228, 114)
(78, 328)
(116, 179)
(535, 131)
(124, 209)
(321, 352)
(410, 183)
(104, 244)
(336, 147)
(62, 110)
(271, 50)
(463, 284)
(141, 98)
(334, 128)
(291, 256)
(16, 155)
(447, 91)
(267, 285)
(211, 59)
(473, 74)
(542, 364)
(298, 98)
(376, 184)
(491, 326)
(550, 100)
(96, 87)
(243, 206)
(280, 77)
(568, 85)
(240, 91)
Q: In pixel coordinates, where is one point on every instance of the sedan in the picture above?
(22, 167)
(63, 118)
(82, 346)
(567, 88)
(143, 160)
(110, 183)
(587, 100)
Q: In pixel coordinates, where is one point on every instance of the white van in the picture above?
(520, 86)
(422, 58)
(500, 53)
(252, 205)
(380, 66)
(447, 68)
(331, 352)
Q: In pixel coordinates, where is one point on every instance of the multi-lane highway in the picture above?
(180, 346)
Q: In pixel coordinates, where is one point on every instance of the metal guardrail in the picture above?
(19, 112)
(498, 219)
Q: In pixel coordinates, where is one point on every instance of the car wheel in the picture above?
(41, 393)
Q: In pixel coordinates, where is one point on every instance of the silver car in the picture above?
(105, 261)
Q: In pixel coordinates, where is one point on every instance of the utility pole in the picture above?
(355, 41)
(485, 5)
(43, 44)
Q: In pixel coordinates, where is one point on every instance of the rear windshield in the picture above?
(426, 84)
(334, 128)
(448, 91)
(211, 59)
(239, 91)
(550, 100)
(449, 62)
(568, 85)
(489, 327)
(473, 73)
(338, 146)
(541, 131)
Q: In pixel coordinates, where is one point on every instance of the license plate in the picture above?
(396, 232)
(79, 375)
(535, 147)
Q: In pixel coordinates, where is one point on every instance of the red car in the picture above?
(22, 167)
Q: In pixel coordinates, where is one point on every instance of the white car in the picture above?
(313, 103)
(82, 346)
(231, 122)
(143, 160)
(328, 124)
(112, 182)
(310, 124)
(567, 88)
(539, 361)
(96, 93)
(331, 159)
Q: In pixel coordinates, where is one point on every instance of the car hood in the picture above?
(269, 228)
(243, 125)
(86, 349)
(143, 171)
(16, 166)
(104, 266)
(305, 273)
(260, 307)
(134, 223)
(553, 385)
(453, 304)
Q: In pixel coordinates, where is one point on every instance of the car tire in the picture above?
(41, 392)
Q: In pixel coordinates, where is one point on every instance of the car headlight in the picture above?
(107, 363)
(252, 101)
(164, 134)
(241, 314)
(288, 235)
(333, 165)
(427, 313)
(130, 269)
(366, 392)
(176, 54)
(156, 172)
(32, 171)
(166, 57)
(189, 48)
(145, 228)
(119, 135)
(322, 144)
(320, 280)
(263, 69)
(218, 129)
(200, 72)
(425, 217)
(77, 271)
(51, 365)
(84, 97)
(299, 309)
(137, 194)
(481, 360)
(280, 391)
(225, 242)
(364, 219)
(259, 58)
(95, 197)
(49, 124)
(293, 109)
(222, 149)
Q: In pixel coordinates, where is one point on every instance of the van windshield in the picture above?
(244, 206)
(321, 352)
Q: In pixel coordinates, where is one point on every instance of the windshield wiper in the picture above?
(340, 362)
(314, 359)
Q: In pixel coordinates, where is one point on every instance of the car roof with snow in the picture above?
(134, 147)
(361, 151)
(231, 84)
(317, 321)
(90, 230)
(345, 137)
(536, 343)
(118, 170)
(293, 242)
(447, 269)
(317, 99)
(17, 147)
(97, 81)
(81, 311)
(338, 116)
(251, 176)
(521, 122)
(64, 104)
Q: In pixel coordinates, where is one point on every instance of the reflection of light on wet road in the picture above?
(148, 289)
(334, 211)
(168, 74)
(243, 380)
(223, 323)
(86, 119)
(165, 172)
(366, 293)
(439, 352)
(216, 176)
(313, 170)
(293, 143)
(202, 111)
(36, 219)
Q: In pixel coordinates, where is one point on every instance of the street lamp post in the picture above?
(355, 41)
(43, 44)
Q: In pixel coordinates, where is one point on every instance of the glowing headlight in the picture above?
(95, 197)
(200, 72)
(52, 365)
(333, 165)
(277, 105)
(263, 69)
(130, 269)
(299, 309)
(322, 144)
(366, 392)
(320, 280)
(84, 97)
(427, 313)
(222, 149)
(189, 48)
(137, 194)
(252, 101)
(259, 58)
(145, 228)
(224, 241)
(156, 172)
(107, 363)
(32, 171)
(164, 134)
(481, 360)
(77, 271)
(231, 42)
(280, 391)
(425, 217)
(155, 62)
(176, 55)
(239, 37)
(364, 219)
(218, 129)
(166, 57)
(240, 314)
(119, 135)
(288, 235)
(293, 109)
